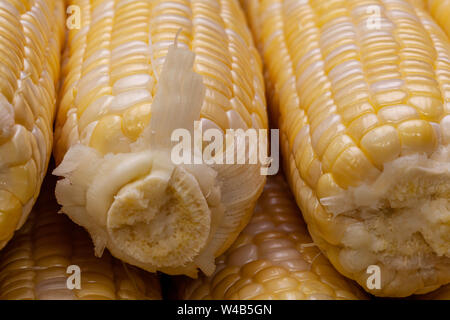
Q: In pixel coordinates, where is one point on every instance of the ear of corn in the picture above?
(273, 258)
(35, 264)
(30, 43)
(361, 93)
(440, 10)
(134, 72)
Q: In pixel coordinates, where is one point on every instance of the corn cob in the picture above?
(273, 258)
(361, 92)
(134, 72)
(440, 10)
(30, 43)
(34, 265)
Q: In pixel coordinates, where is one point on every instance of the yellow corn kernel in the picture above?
(382, 144)
(417, 136)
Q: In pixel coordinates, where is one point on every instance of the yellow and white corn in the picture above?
(134, 72)
(273, 258)
(361, 93)
(31, 36)
(41, 263)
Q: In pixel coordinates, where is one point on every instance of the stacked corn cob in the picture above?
(34, 265)
(273, 258)
(133, 73)
(30, 43)
(361, 93)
